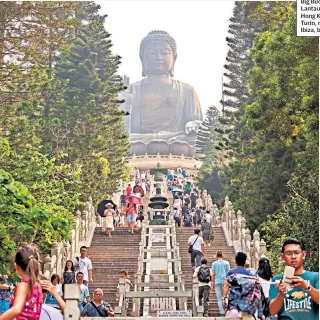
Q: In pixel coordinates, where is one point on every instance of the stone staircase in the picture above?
(219, 243)
(109, 257)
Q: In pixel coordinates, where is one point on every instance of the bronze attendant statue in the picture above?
(161, 107)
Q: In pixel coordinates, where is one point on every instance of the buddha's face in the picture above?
(158, 57)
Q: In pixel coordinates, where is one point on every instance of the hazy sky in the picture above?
(199, 28)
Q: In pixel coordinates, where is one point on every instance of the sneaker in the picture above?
(206, 315)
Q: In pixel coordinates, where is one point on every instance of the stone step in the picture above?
(111, 255)
(219, 243)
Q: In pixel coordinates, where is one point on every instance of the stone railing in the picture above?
(235, 231)
(82, 232)
(166, 161)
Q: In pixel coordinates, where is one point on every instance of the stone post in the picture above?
(233, 224)
(120, 310)
(225, 210)
(247, 242)
(84, 224)
(239, 231)
(136, 301)
(195, 296)
(256, 248)
(263, 247)
(72, 296)
(216, 215)
(243, 232)
(54, 256)
(47, 266)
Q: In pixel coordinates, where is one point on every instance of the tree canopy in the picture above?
(273, 172)
(61, 130)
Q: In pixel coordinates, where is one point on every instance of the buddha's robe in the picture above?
(152, 113)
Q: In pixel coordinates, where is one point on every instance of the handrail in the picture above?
(235, 231)
(197, 309)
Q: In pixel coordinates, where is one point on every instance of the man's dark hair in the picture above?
(197, 231)
(208, 211)
(241, 258)
(293, 241)
(204, 261)
(80, 273)
(219, 254)
(83, 247)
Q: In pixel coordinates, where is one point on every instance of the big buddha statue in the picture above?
(161, 107)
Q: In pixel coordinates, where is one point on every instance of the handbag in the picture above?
(191, 246)
(211, 234)
(101, 315)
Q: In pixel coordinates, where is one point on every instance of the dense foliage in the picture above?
(62, 137)
(273, 173)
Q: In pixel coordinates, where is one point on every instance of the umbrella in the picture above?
(50, 313)
(134, 199)
(175, 189)
(102, 206)
(138, 189)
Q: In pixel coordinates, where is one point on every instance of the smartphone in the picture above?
(287, 275)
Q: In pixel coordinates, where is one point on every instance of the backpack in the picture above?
(245, 294)
(187, 220)
(204, 274)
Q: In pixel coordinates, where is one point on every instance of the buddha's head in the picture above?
(158, 53)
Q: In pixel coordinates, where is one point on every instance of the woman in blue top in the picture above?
(49, 299)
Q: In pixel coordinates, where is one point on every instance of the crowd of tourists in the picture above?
(258, 292)
(129, 213)
(240, 289)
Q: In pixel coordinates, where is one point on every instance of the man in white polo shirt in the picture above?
(83, 264)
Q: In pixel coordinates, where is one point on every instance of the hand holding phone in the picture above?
(298, 282)
(287, 275)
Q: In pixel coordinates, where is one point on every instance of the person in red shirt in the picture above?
(129, 190)
(26, 301)
(131, 215)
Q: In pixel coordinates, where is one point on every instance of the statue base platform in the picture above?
(162, 147)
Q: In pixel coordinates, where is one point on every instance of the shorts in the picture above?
(131, 218)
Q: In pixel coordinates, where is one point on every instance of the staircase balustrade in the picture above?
(81, 234)
(235, 231)
(166, 161)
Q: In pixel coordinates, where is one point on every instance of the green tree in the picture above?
(23, 221)
(207, 144)
(86, 122)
